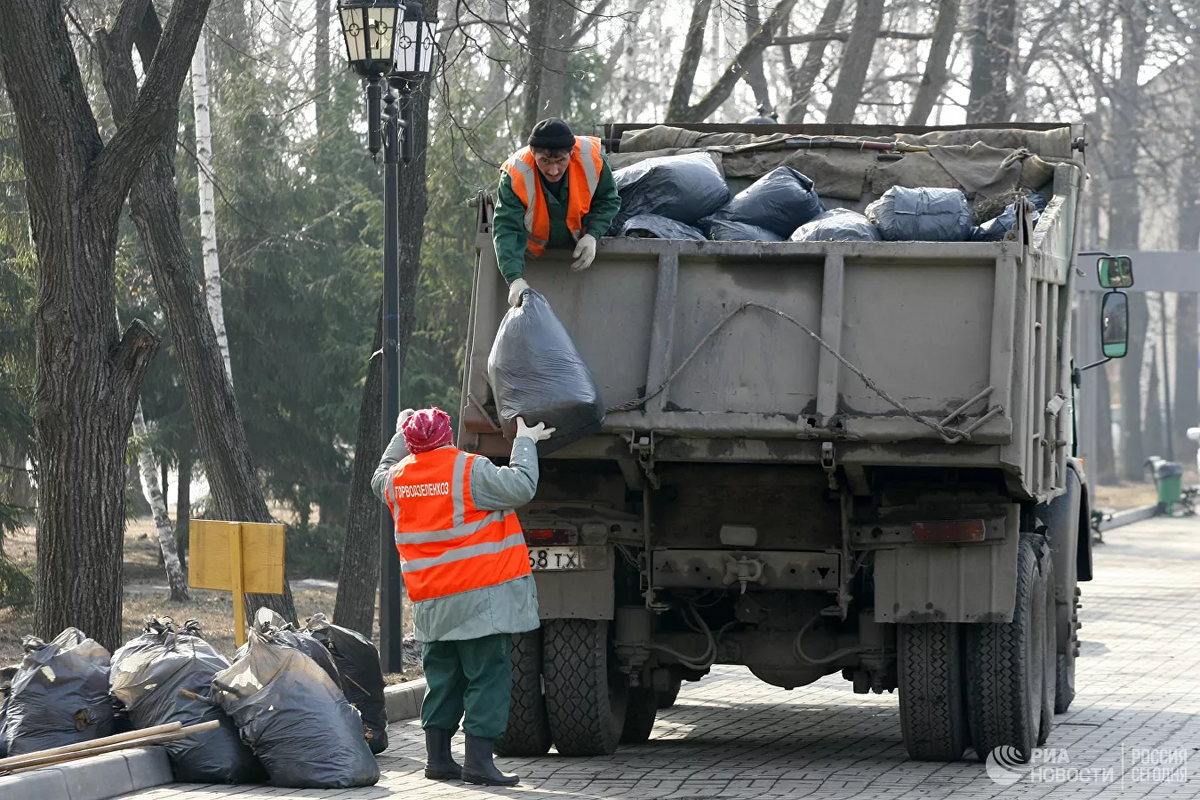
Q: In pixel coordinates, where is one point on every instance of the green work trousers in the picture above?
(471, 676)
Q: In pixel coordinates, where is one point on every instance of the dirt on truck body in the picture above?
(821, 458)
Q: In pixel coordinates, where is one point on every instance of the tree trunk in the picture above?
(208, 203)
(803, 80)
(321, 65)
(1153, 417)
(1187, 310)
(154, 207)
(868, 19)
(934, 78)
(755, 75)
(183, 506)
(88, 376)
(693, 50)
(1106, 457)
(992, 45)
(359, 574)
(553, 83)
(162, 522)
(1133, 450)
(535, 54)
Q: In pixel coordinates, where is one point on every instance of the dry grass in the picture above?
(146, 595)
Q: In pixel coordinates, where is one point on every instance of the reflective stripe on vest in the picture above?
(446, 544)
(583, 172)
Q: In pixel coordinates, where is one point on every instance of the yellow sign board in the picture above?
(238, 557)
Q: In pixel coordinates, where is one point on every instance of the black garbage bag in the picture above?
(269, 622)
(780, 201)
(656, 226)
(922, 215)
(837, 225)
(295, 717)
(59, 694)
(6, 676)
(727, 231)
(362, 675)
(149, 677)
(537, 374)
(995, 229)
(683, 188)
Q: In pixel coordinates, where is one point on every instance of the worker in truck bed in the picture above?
(466, 569)
(557, 192)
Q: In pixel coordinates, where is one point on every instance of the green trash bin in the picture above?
(1168, 481)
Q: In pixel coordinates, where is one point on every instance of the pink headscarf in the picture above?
(427, 429)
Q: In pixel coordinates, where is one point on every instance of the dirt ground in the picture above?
(146, 595)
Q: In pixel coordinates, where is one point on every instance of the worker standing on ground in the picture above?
(466, 569)
(557, 192)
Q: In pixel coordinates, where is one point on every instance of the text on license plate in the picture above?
(548, 558)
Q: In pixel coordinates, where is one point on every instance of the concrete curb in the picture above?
(96, 778)
(115, 774)
(404, 700)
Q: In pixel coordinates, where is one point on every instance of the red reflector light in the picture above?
(950, 530)
(548, 536)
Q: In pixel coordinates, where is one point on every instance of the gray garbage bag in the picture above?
(537, 374)
(149, 677)
(728, 231)
(995, 229)
(295, 717)
(780, 201)
(683, 188)
(59, 694)
(273, 624)
(837, 225)
(6, 676)
(922, 215)
(656, 226)
(357, 662)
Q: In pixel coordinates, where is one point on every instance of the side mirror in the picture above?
(1115, 272)
(1114, 324)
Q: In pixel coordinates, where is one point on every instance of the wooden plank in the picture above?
(828, 369)
(263, 556)
(239, 595)
(208, 554)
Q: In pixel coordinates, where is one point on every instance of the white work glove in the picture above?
(514, 291)
(585, 253)
(405, 414)
(537, 433)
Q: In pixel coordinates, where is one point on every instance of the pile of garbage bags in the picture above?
(302, 708)
(537, 373)
(686, 197)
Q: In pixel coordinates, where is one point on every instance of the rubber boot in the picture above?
(478, 767)
(439, 763)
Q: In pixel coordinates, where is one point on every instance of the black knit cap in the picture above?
(552, 134)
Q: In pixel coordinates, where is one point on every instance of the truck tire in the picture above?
(933, 714)
(1048, 621)
(640, 710)
(528, 732)
(1004, 665)
(667, 699)
(585, 695)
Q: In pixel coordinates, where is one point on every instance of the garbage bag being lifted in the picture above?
(837, 225)
(59, 694)
(922, 215)
(357, 662)
(656, 226)
(295, 717)
(150, 675)
(683, 188)
(727, 231)
(780, 201)
(537, 374)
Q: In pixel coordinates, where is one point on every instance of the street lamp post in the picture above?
(390, 45)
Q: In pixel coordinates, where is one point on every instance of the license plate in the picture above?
(554, 558)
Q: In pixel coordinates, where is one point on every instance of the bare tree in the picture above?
(936, 65)
(868, 19)
(755, 75)
(992, 46)
(88, 375)
(1187, 318)
(803, 80)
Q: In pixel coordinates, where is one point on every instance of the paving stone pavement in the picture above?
(1129, 734)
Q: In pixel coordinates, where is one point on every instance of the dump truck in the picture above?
(819, 458)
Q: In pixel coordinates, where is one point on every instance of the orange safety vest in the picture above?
(583, 176)
(446, 544)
